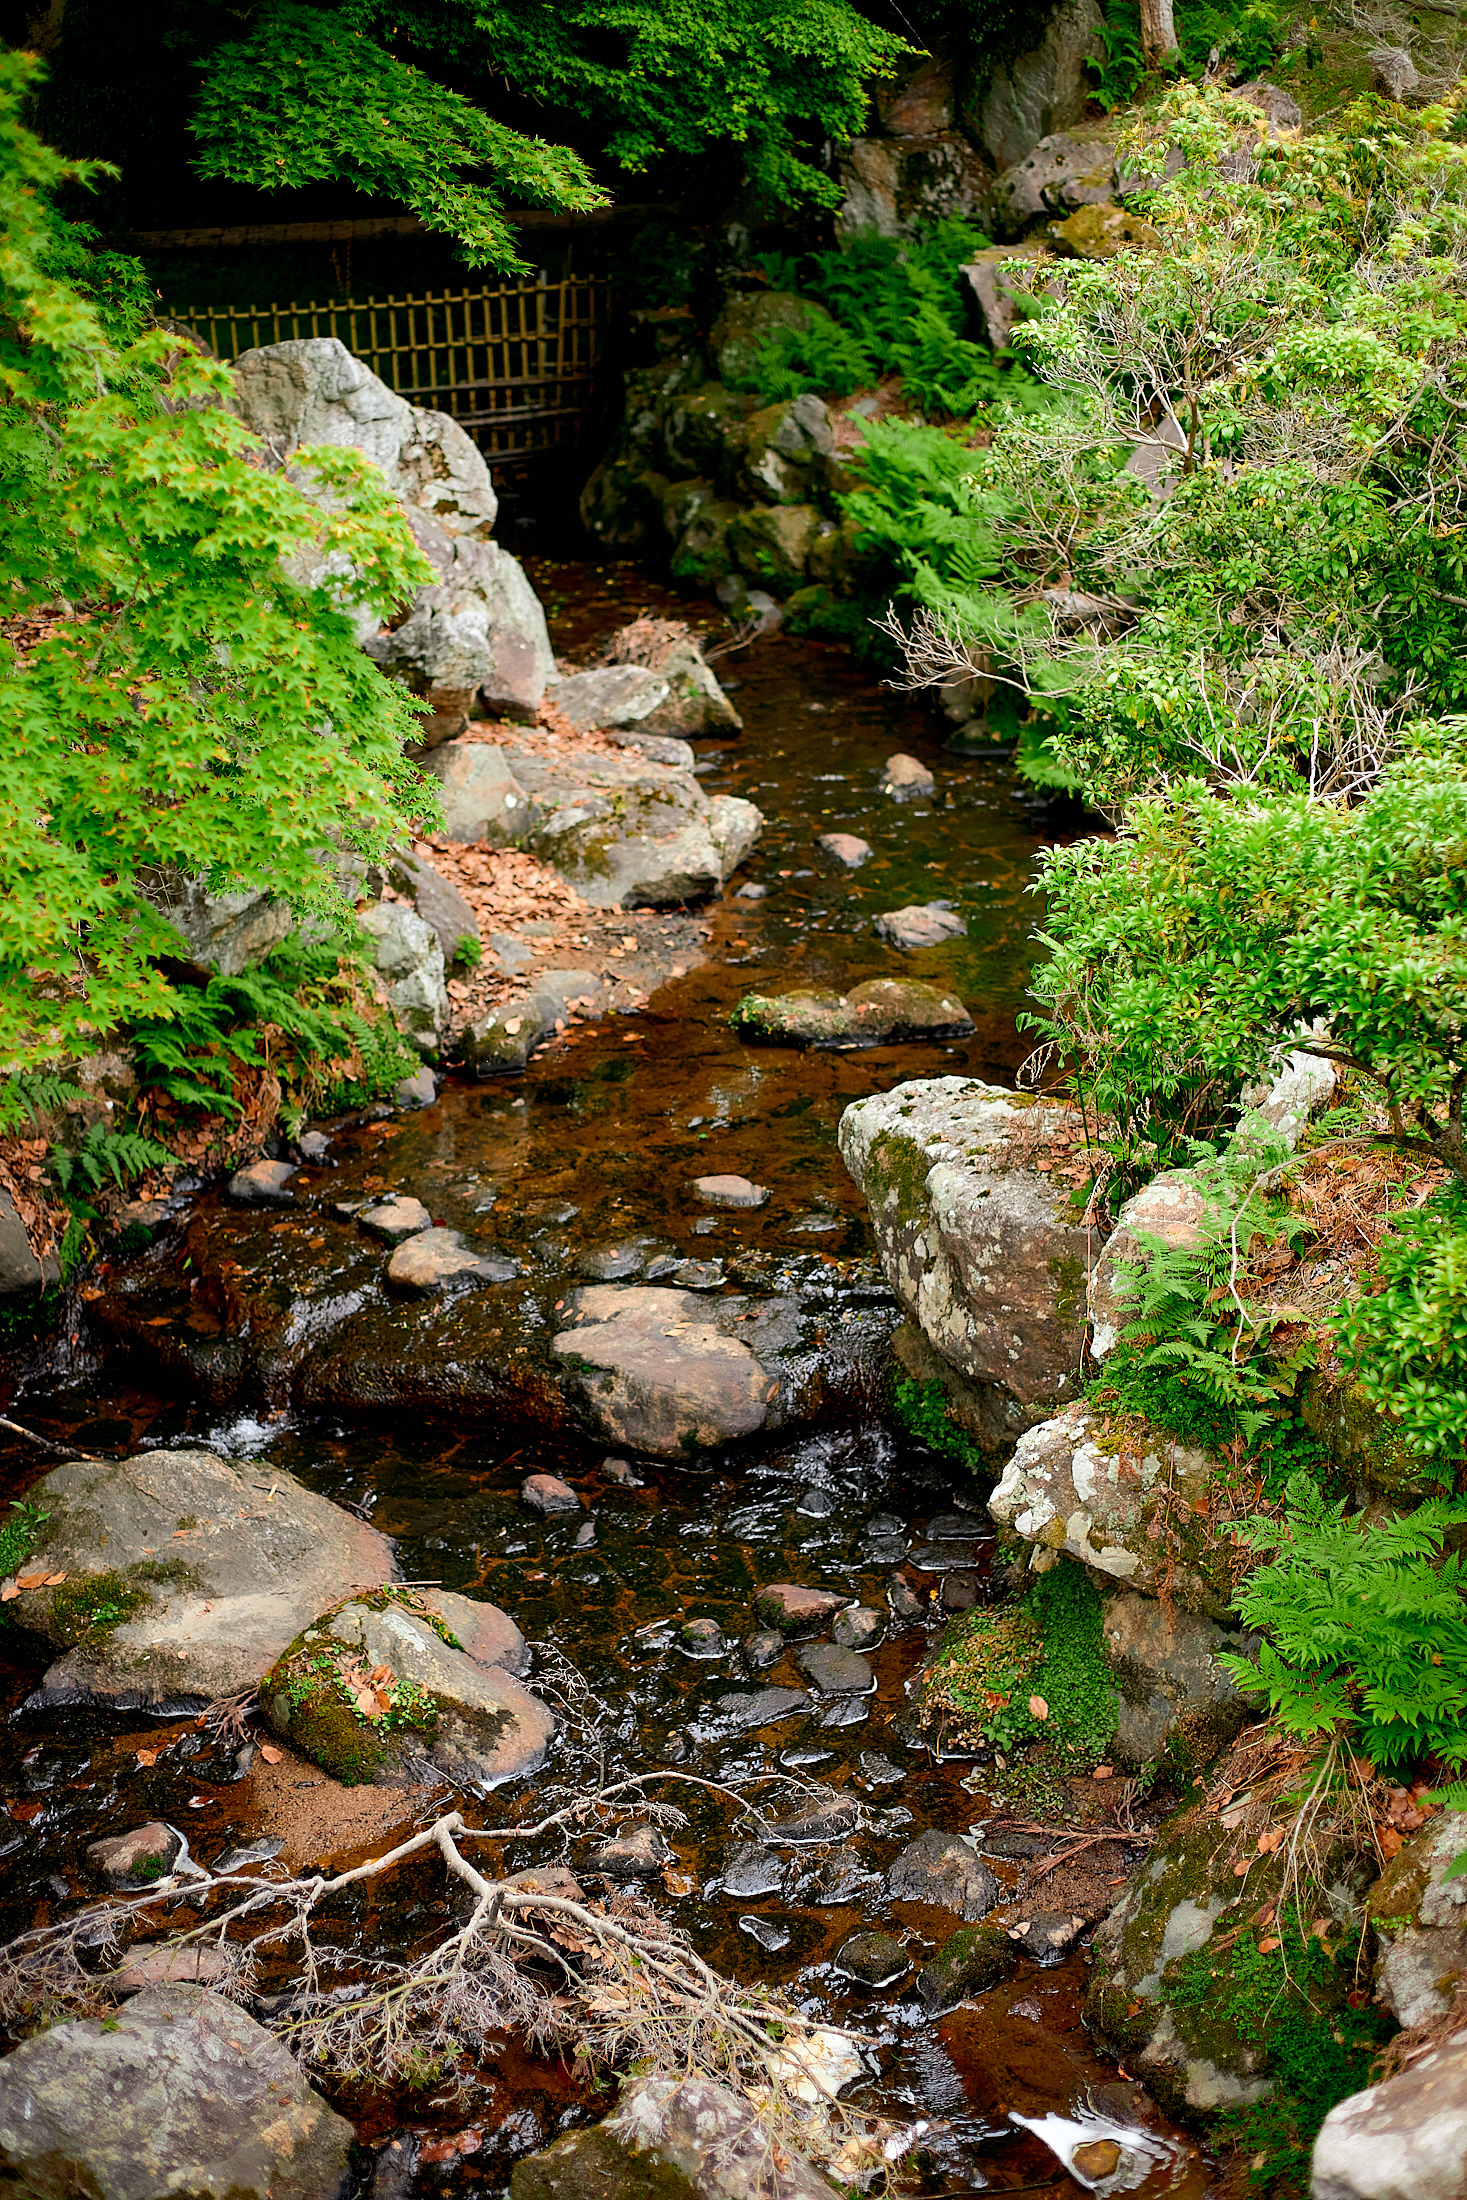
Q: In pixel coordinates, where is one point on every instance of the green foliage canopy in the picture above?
(204, 707)
(356, 91)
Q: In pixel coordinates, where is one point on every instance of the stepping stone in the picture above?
(313, 1145)
(904, 1602)
(263, 1184)
(827, 1817)
(922, 924)
(546, 1493)
(766, 1707)
(729, 1191)
(859, 1628)
(633, 1852)
(418, 1091)
(395, 1219)
(941, 1870)
(763, 1647)
(880, 1012)
(906, 778)
(702, 1638)
(847, 848)
(879, 1771)
(845, 1711)
(753, 1871)
(433, 1259)
(136, 1858)
(842, 1877)
(973, 1960)
(792, 1609)
(872, 1959)
(834, 1671)
(768, 1934)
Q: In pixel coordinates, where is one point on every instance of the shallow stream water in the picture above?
(592, 1149)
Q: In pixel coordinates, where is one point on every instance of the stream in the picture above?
(589, 1153)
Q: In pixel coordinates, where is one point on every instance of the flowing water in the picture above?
(591, 1150)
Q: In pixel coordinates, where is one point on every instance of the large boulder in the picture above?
(1174, 1988)
(609, 696)
(384, 1688)
(628, 832)
(1420, 1917)
(177, 1577)
(978, 1244)
(478, 632)
(1175, 1700)
(784, 448)
(1405, 2139)
(22, 1269)
(771, 543)
(224, 932)
(179, 2092)
(479, 626)
(1000, 300)
(1059, 174)
(1136, 1509)
(695, 703)
(1043, 89)
(1173, 1209)
(434, 898)
(681, 2139)
(901, 186)
(748, 320)
(408, 956)
(482, 799)
(672, 1373)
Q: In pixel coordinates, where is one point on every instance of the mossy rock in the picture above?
(86, 1607)
(773, 543)
(1365, 1443)
(1201, 1989)
(313, 1697)
(976, 1958)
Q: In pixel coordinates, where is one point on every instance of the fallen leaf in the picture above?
(53, 1581)
(270, 1753)
(31, 1581)
(1103, 1772)
(200, 1802)
(382, 1676)
(11, 1589)
(1390, 1841)
(1038, 1708)
(1268, 1842)
(23, 1813)
(1240, 1869)
(147, 1756)
(1267, 1947)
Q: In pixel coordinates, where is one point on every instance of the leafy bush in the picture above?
(1405, 1339)
(1366, 1627)
(1246, 33)
(184, 691)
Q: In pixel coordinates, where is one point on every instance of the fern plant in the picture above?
(1365, 1630)
(104, 1156)
(24, 1099)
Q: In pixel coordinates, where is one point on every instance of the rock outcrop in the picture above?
(1420, 1919)
(976, 1242)
(1043, 89)
(1405, 2139)
(178, 2092)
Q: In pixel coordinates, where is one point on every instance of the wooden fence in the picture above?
(514, 367)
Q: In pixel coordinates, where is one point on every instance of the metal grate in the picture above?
(515, 368)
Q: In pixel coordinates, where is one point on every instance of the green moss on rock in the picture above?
(89, 1606)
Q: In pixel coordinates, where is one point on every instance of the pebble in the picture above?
(858, 1628)
(766, 1932)
(879, 1771)
(622, 1471)
(834, 1671)
(847, 848)
(585, 1535)
(921, 924)
(751, 890)
(313, 1145)
(395, 1219)
(753, 1871)
(729, 1191)
(794, 1609)
(263, 1184)
(546, 1493)
(702, 1638)
(612, 1263)
(872, 1959)
(906, 777)
(763, 1647)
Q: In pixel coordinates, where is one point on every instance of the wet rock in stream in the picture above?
(682, 2140)
(793, 1609)
(942, 1869)
(178, 2092)
(969, 1963)
(872, 1959)
(434, 1259)
(184, 1576)
(879, 1012)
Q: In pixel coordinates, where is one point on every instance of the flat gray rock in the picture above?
(659, 1374)
(1403, 2140)
(921, 924)
(435, 1259)
(753, 1871)
(906, 778)
(616, 695)
(846, 848)
(766, 1707)
(222, 1561)
(397, 1218)
(793, 1609)
(177, 2092)
(263, 1184)
(835, 1671)
(729, 1191)
(825, 1817)
(941, 1869)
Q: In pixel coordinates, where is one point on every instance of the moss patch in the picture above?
(897, 1170)
(343, 1716)
(91, 1605)
(991, 1666)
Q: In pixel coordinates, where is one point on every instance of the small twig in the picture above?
(64, 1451)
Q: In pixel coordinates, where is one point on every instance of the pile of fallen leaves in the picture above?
(554, 736)
(23, 1176)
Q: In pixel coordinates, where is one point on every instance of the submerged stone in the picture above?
(677, 2139)
(881, 1012)
(872, 1959)
(921, 924)
(970, 1962)
(943, 1870)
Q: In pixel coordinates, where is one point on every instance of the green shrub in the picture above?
(1405, 1338)
(922, 1409)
